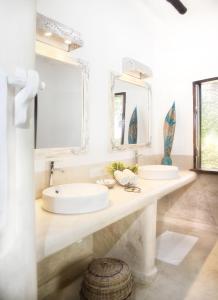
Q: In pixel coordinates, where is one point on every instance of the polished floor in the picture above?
(196, 278)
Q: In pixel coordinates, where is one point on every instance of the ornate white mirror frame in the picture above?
(139, 82)
(48, 51)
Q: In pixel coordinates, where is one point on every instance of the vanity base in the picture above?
(133, 240)
(125, 230)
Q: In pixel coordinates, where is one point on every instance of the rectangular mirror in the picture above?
(60, 109)
(131, 114)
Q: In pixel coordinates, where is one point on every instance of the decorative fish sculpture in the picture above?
(133, 128)
(168, 131)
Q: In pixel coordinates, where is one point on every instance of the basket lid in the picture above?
(104, 272)
(106, 267)
(107, 279)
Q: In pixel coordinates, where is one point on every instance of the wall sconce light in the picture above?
(135, 68)
(56, 34)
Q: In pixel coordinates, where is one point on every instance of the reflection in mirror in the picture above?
(119, 117)
(131, 112)
(60, 110)
(59, 116)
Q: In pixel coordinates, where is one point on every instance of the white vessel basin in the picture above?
(157, 172)
(75, 198)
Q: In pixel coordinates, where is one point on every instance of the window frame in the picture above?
(197, 104)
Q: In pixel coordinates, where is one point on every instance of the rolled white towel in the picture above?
(132, 176)
(125, 177)
(121, 177)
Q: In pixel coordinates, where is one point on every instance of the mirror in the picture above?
(131, 113)
(60, 109)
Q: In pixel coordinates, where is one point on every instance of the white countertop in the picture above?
(55, 232)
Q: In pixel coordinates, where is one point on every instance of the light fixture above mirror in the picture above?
(56, 34)
(135, 68)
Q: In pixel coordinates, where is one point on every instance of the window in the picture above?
(205, 93)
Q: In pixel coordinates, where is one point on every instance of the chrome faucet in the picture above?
(137, 156)
(52, 170)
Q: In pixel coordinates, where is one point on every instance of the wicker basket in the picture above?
(107, 279)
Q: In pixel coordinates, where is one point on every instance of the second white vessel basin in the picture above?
(75, 198)
(157, 172)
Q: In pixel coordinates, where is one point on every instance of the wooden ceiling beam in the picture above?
(179, 6)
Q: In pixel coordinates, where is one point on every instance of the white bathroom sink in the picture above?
(157, 172)
(75, 198)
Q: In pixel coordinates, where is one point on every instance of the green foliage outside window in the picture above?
(209, 125)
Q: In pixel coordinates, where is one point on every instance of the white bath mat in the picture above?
(172, 247)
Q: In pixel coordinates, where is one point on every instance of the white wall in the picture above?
(17, 250)
(186, 50)
(111, 30)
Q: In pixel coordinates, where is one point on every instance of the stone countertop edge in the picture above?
(55, 232)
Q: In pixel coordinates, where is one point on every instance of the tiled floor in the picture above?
(196, 278)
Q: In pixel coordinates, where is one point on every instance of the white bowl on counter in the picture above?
(75, 198)
(158, 172)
